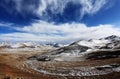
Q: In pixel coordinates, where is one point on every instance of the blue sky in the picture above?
(58, 20)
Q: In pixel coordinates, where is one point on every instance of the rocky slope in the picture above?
(77, 51)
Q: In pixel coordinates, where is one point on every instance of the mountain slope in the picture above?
(83, 49)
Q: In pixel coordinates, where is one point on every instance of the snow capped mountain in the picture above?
(29, 45)
(18, 45)
(77, 50)
(112, 38)
(110, 42)
(93, 43)
(26, 45)
(4, 44)
(103, 43)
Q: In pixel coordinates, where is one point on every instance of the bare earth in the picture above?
(12, 66)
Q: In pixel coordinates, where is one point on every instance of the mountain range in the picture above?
(85, 49)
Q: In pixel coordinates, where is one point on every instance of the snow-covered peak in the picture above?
(112, 38)
(4, 44)
(24, 44)
(99, 43)
(31, 44)
(18, 45)
(93, 43)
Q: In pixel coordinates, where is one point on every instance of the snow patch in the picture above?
(93, 43)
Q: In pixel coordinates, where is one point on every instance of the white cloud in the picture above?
(23, 6)
(88, 7)
(58, 6)
(39, 7)
(91, 6)
(49, 32)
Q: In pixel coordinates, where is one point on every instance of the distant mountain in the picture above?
(55, 45)
(79, 50)
(18, 45)
(24, 45)
(109, 42)
(29, 45)
(112, 38)
(4, 44)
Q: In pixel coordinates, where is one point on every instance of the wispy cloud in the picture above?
(49, 32)
(92, 6)
(5, 24)
(20, 6)
(40, 7)
(58, 6)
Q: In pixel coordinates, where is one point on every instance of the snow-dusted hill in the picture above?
(24, 45)
(4, 44)
(109, 42)
(18, 45)
(79, 50)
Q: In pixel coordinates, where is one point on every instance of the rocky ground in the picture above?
(15, 64)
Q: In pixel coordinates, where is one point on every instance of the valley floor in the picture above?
(13, 66)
